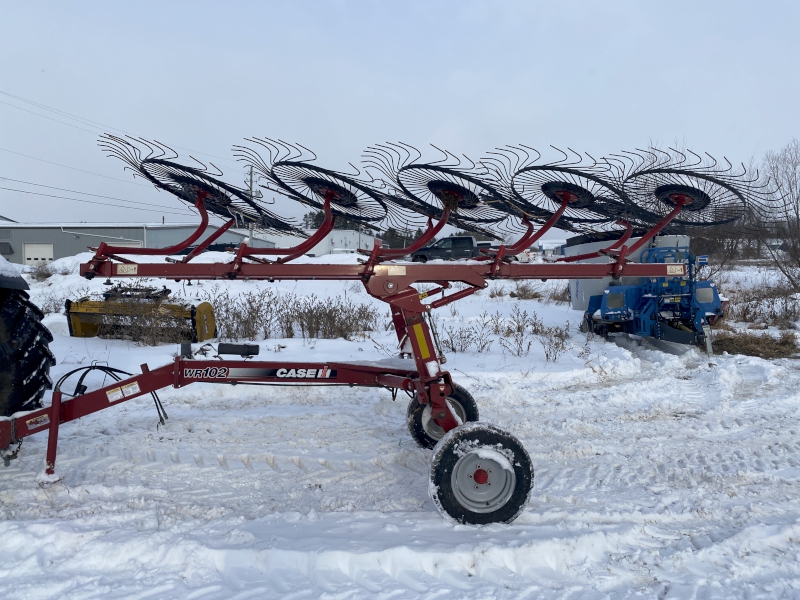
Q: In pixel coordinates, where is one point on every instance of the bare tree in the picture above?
(781, 230)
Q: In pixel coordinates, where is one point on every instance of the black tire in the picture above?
(480, 474)
(419, 259)
(586, 325)
(423, 429)
(24, 353)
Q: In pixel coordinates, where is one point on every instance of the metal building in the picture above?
(36, 243)
(336, 242)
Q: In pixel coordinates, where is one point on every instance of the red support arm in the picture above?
(529, 238)
(104, 249)
(679, 202)
(430, 233)
(625, 237)
(291, 253)
(211, 239)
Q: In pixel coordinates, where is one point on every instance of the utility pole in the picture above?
(252, 242)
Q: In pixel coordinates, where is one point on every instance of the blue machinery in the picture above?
(677, 309)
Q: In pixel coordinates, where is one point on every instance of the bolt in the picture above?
(490, 470)
(470, 475)
(476, 487)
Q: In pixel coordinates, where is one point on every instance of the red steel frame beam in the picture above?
(407, 273)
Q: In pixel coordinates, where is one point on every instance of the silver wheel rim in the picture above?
(432, 430)
(479, 495)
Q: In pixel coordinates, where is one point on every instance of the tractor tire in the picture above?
(24, 353)
(424, 430)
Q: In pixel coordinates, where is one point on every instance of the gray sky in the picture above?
(338, 76)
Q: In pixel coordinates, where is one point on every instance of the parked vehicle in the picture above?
(451, 248)
(459, 247)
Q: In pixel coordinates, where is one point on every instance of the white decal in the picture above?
(324, 373)
(131, 389)
(115, 394)
(39, 421)
(127, 269)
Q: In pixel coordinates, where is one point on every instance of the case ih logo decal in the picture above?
(255, 373)
(207, 373)
(323, 373)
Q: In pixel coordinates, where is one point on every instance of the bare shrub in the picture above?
(263, 313)
(558, 294)
(554, 341)
(333, 318)
(751, 344)
(526, 290)
(497, 291)
(52, 301)
(520, 329)
(41, 272)
(775, 305)
(497, 322)
(458, 339)
(254, 314)
(482, 328)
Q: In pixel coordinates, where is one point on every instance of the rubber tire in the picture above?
(24, 353)
(416, 410)
(446, 455)
(419, 259)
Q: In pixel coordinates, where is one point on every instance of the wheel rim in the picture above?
(481, 484)
(432, 430)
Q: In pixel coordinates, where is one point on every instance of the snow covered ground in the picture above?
(656, 476)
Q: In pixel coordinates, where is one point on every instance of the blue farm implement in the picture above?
(678, 308)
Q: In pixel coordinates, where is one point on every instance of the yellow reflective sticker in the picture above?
(423, 345)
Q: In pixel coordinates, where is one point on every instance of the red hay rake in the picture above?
(479, 473)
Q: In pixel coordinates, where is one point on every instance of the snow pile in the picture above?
(656, 476)
(7, 269)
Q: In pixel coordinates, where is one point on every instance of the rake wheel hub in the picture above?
(328, 190)
(452, 195)
(689, 197)
(576, 195)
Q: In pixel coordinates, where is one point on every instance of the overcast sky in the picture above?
(338, 76)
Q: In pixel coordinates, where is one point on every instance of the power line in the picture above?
(49, 118)
(84, 193)
(91, 202)
(60, 112)
(73, 168)
(90, 123)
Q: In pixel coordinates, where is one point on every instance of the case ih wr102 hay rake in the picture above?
(479, 473)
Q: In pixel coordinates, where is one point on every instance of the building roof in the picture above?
(16, 225)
